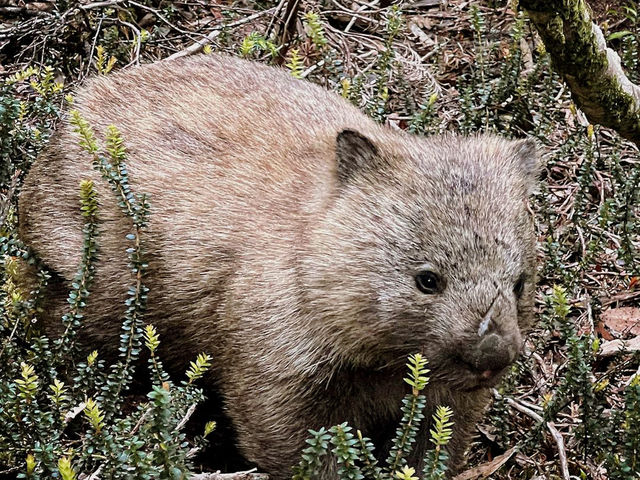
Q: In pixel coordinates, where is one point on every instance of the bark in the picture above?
(592, 71)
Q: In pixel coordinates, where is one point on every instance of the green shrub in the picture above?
(354, 454)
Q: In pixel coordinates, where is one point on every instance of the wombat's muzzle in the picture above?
(490, 356)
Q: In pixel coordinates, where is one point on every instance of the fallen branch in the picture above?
(593, 71)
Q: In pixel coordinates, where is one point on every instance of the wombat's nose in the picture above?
(491, 355)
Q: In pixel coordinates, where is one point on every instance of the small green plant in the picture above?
(315, 30)
(629, 40)
(295, 64)
(436, 461)
(25, 124)
(104, 65)
(354, 453)
(43, 389)
(255, 44)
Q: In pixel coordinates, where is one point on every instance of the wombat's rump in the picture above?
(306, 248)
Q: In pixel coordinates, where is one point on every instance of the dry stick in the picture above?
(361, 8)
(186, 418)
(286, 28)
(162, 18)
(96, 475)
(93, 45)
(138, 40)
(557, 436)
(248, 475)
(199, 45)
(267, 33)
(107, 3)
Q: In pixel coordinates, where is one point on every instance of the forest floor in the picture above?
(431, 66)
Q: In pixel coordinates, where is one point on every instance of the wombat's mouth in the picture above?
(482, 383)
(471, 379)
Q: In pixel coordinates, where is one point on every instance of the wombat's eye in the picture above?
(429, 282)
(518, 288)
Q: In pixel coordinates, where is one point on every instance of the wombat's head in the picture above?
(428, 246)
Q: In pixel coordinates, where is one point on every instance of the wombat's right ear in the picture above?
(354, 153)
(528, 158)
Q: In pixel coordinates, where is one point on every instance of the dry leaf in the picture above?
(622, 321)
(607, 349)
(486, 469)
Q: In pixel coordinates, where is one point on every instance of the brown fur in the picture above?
(288, 250)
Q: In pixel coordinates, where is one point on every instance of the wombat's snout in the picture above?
(490, 356)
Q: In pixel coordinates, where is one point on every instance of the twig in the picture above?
(162, 18)
(199, 45)
(138, 40)
(71, 414)
(248, 475)
(106, 3)
(267, 33)
(557, 436)
(355, 15)
(186, 418)
(93, 44)
(519, 407)
(140, 421)
(96, 475)
(313, 67)
(286, 29)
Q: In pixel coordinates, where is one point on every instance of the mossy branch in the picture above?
(592, 71)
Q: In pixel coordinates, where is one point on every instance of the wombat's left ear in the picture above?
(355, 154)
(528, 158)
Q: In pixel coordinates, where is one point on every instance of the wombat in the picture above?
(308, 249)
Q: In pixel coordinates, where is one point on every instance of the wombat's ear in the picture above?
(354, 153)
(528, 158)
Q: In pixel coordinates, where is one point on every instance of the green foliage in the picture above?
(435, 462)
(426, 118)
(627, 463)
(199, 367)
(315, 30)
(255, 44)
(312, 456)
(412, 416)
(103, 65)
(62, 419)
(295, 63)
(66, 469)
(345, 452)
(628, 41)
(354, 454)
(25, 123)
(503, 102)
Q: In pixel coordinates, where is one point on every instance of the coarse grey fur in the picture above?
(285, 235)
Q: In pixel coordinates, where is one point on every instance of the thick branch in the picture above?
(593, 72)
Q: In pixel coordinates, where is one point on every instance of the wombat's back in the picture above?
(235, 156)
(214, 140)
